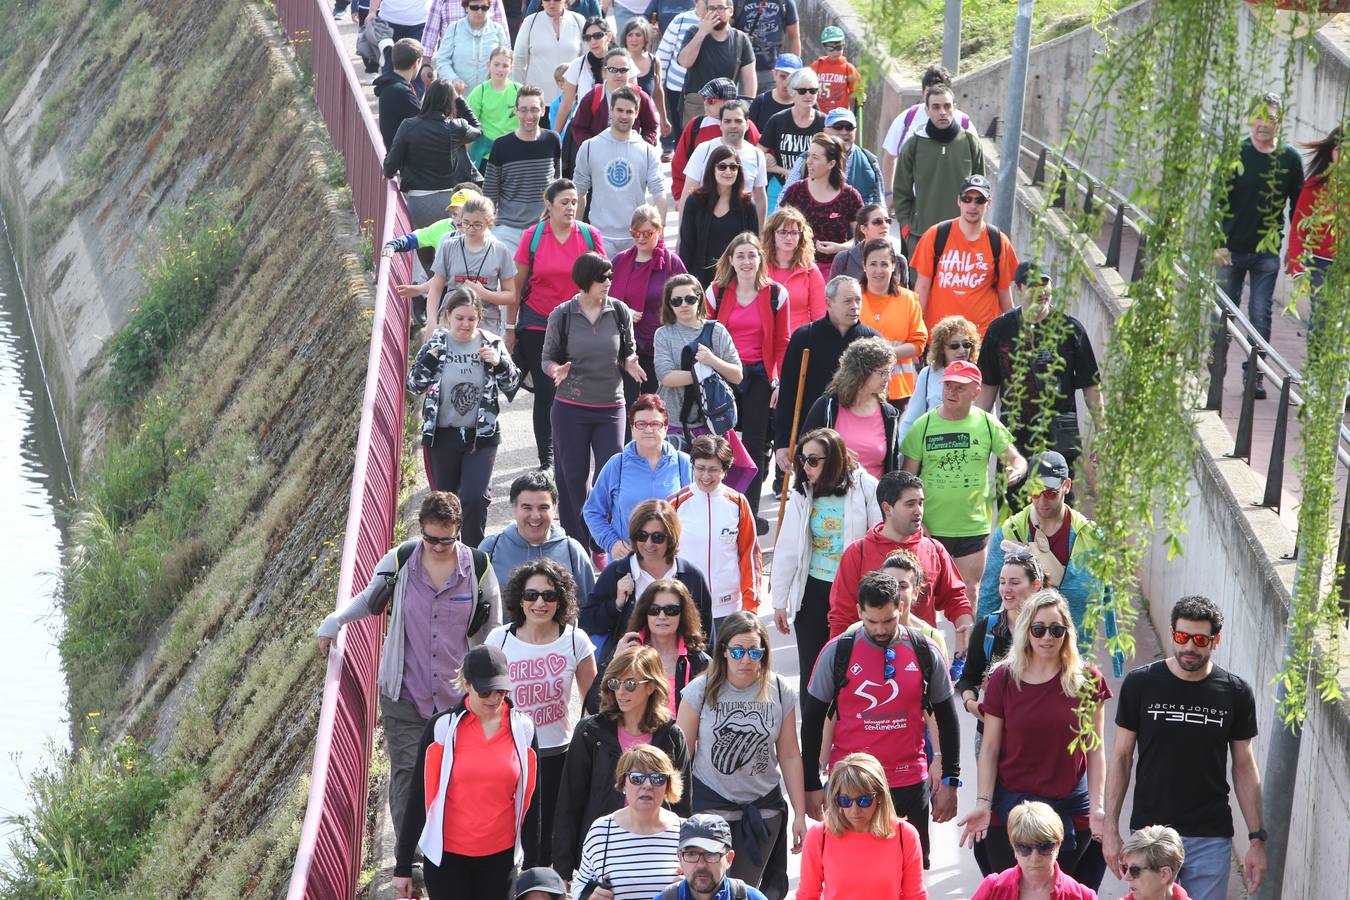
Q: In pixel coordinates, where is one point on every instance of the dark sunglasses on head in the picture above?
(804, 91)
(530, 595)
(656, 779)
(1044, 848)
(755, 653)
(678, 300)
(1201, 640)
(810, 459)
(864, 802)
(669, 610)
(628, 684)
(962, 345)
(1038, 630)
(440, 541)
(977, 199)
(656, 537)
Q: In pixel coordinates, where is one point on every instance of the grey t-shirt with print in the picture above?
(737, 752)
(461, 384)
(456, 263)
(667, 349)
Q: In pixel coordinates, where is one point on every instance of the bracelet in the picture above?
(988, 800)
(510, 326)
(964, 628)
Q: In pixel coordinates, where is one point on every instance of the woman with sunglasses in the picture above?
(854, 405)
(593, 335)
(873, 222)
(684, 316)
(740, 718)
(712, 216)
(828, 201)
(833, 503)
(634, 710)
(1031, 748)
(631, 854)
(790, 130)
(465, 48)
(547, 654)
(546, 40)
(469, 822)
(640, 276)
(587, 70)
(892, 310)
(666, 619)
(792, 263)
(1151, 859)
(951, 339)
(1037, 832)
(862, 849)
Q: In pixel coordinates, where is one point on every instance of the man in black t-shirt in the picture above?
(1071, 366)
(1186, 715)
(716, 50)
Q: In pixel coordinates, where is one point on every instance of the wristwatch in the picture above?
(1257, 835)
(952, 781)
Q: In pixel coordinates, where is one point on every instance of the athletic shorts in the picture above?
(962, 546)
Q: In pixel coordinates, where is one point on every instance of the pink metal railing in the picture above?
(328, 860)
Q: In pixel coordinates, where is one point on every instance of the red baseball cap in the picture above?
(962, 372)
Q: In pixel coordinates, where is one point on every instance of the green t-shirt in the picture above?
(827, 537)
(954, 462)
(496, 112)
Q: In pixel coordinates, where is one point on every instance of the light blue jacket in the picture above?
(463, 53)
(624, 482)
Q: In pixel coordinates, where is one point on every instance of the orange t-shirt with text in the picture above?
(964, 283)
(897, 319)
(838, 82)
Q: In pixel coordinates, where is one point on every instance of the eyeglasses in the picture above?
(656, 537)
(962, 345)
(1044, 848)
(788, 232)
(864, 802)
(648, 425)
(1200, 640)
(1133, 872)
(804, 91)
(883, 372)
(655, 779)
(1038, 630)
(738, 653)
(530, 595)
(472, 226)
(978, 199)
(628, 684)
(679, 300)
(440, 541)
(644, 234)
(596, 35)
(709, 470)
(889, 668)
(699, 856)
(718, 8)
(617, 70)
(669, 610)
(728, 167)
(810, 459)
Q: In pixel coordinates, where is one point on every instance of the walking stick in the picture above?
(792, 440)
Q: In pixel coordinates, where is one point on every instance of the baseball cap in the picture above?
(787, 62)
(540, 879)
(720, 89)
(831, 34)
(1024, 273)
(459, 198)
(962, 372)
(977, 183)
(840, 114)
(485, 669)
(1050, 469)
(706, 832)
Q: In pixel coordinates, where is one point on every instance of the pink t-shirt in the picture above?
(628, 742)
(865, 436)
(747, 332)
(856, 864)
(551, 273)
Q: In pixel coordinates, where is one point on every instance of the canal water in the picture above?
(34, 487)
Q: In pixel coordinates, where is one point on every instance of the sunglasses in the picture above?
(645, 425)
(978, 199)
(669, 610)
(889, 668)
(488, 695)
(683, 300)
(833, 47)
(883, 221)
(605, 276)
(1038, 630)
(699, 856)
(617, 70)
(1133, 872)
(655, 779)
(440, 541)
(1047, 494)
(530, 595)
(804, 91)
(596, 35)
(728, 167)
(755, 653)
(628, 684)
(1200, 640)
(961, 345)
(656, 537)
(842, 126)
(474, 7)
(1044, 848)
(864, 802)
(810, 459)
(644, 234)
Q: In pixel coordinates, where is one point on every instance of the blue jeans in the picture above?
(1209, 860)
(1263, 269)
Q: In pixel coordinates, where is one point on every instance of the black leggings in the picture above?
(912, 803)
(812, 625)
(1085, 863)
(530, 357)
(471, 877)
(537, 841)
(452, 465)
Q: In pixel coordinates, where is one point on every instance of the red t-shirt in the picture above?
(1059, 541)
(1039, 723)
(965, 284)
(551, 273)
(838, 82)
(746, 329)
(480, 800)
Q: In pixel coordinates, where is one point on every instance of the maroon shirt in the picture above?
(1059, 541)
(831, 221)
(435, 632)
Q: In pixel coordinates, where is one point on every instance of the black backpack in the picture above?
(738, 890)
(944, 231)
(844, 651)
(481, 610)
(710, 399)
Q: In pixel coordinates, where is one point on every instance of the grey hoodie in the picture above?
(507, 549)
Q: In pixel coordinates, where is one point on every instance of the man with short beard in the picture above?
(932, 166)
(716, 50)
(705, 858)
(1187, 715)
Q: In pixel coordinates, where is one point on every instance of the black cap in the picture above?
(540, 879)
(1024, 273)
(707, 832)
(977, 183)
(1050, 468)
(485, 668)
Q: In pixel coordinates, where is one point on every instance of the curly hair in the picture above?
(947, 329)
(861, 358)
(805, 254)
(564, 613)
(691, 623)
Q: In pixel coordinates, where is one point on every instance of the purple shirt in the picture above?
(640, 286)
(435, 632)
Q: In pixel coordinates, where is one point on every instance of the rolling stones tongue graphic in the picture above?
(741, 736)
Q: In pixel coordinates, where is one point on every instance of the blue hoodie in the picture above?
(507, 549)
(625, 481)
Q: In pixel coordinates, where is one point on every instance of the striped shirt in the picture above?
(671, 43)
(516, 173)
(639, 866)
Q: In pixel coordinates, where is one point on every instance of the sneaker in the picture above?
(761, 526)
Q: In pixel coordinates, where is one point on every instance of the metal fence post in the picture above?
(1275, 468)
(1218, 363)
(1117, 233)
(1242, 447)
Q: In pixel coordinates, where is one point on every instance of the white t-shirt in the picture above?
(404, 12)
(579, 73)
(897, 134)
(754, 166)
(542, 676)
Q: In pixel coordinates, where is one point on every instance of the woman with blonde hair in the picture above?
(953, 338)
(1150, 861)
(862, 849)
(792, 263)
(634, 710)
(1033, 748)
(854, 404)
(1037, 832)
